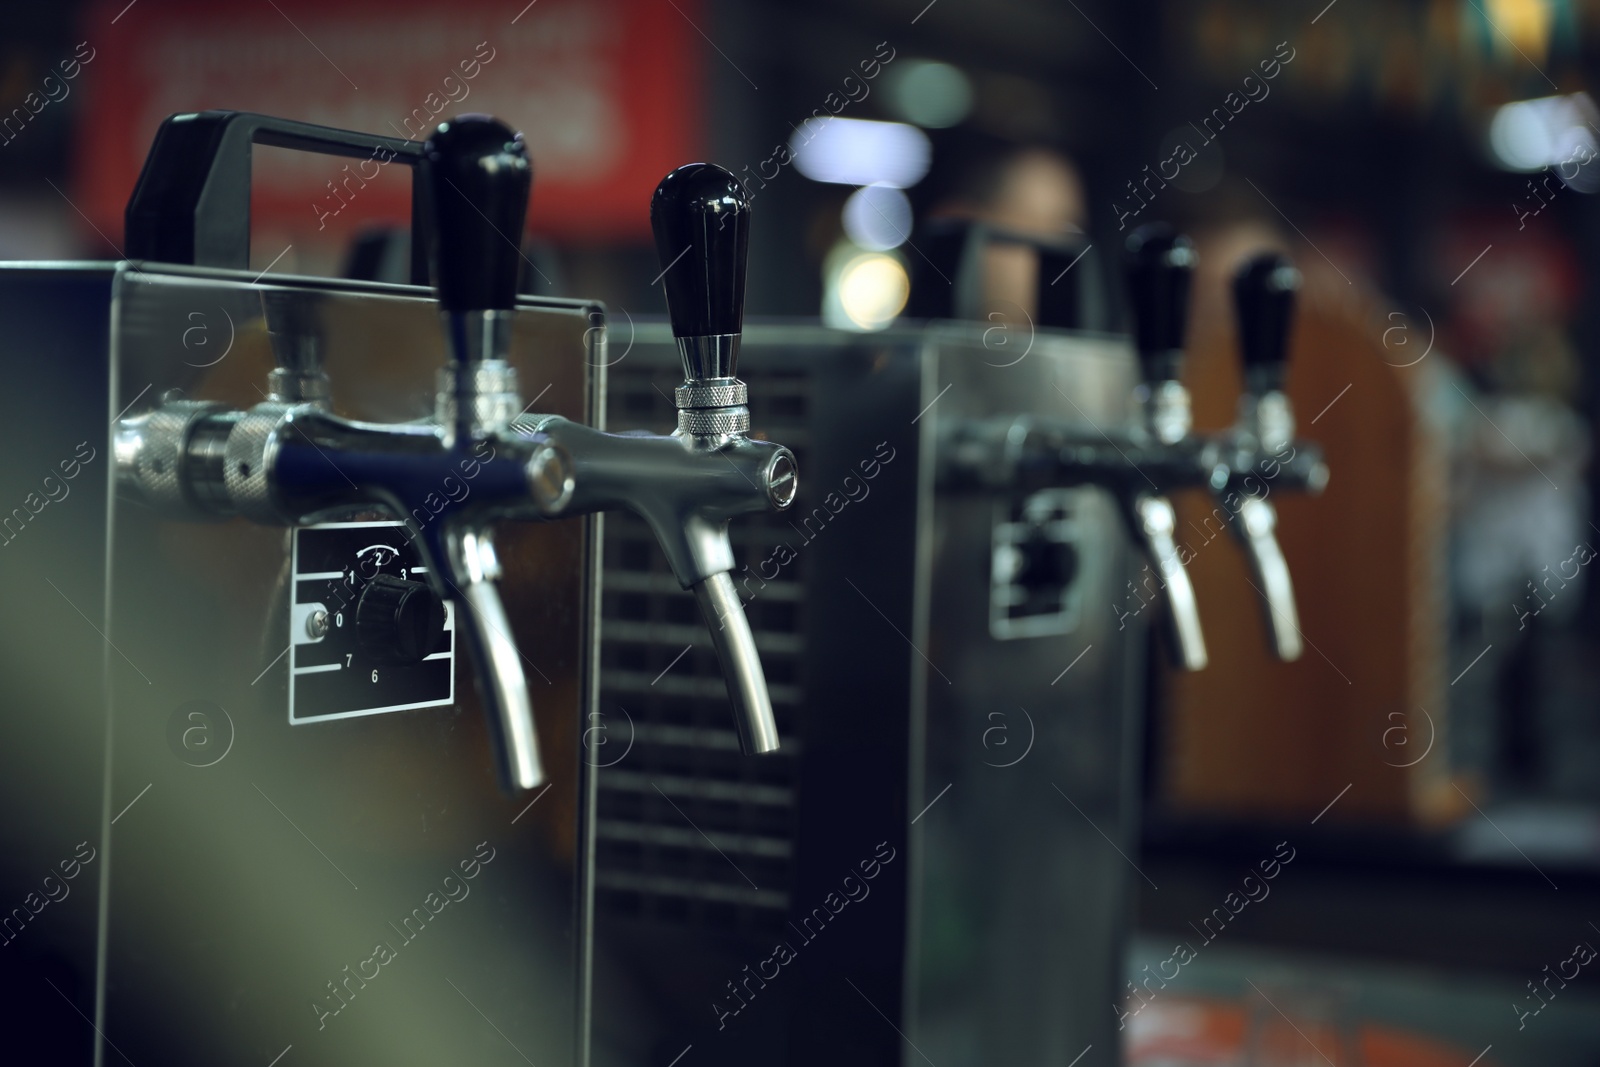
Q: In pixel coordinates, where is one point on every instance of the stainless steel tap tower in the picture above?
(1140, 464)
(294, 839)
(940, 863)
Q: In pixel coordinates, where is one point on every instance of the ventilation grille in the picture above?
(690, 832)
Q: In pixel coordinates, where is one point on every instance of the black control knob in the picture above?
(1045, 563)
(701, 218)
(476, 178)
(399, 621)
(1159, 267)
(1264, 291)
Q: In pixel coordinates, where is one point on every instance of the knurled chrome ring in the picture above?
(245, 461)
(490, 387)
(162, 437)
(713, 421)
(701, 395)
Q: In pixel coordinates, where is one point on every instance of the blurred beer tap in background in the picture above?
(1261, 451)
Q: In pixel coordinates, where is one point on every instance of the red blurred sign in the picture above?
(604, 90)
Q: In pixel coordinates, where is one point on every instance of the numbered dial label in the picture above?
(366, 635)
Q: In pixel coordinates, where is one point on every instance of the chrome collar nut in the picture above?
(782, 479)
(551, 480)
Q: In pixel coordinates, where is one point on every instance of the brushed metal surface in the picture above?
(243, 901)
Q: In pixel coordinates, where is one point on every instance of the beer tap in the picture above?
(290, 461)
(1264, 289)
(1160, 268)
(688, 484)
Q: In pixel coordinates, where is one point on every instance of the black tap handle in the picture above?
(701, 218)
(1264, 290)
(478, 178)
(1159, 268)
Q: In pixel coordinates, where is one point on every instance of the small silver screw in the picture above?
(317, 624)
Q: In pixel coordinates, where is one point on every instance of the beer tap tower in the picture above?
(1159, 453)
(279, 695)
(942, 864)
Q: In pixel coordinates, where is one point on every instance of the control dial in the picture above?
(399, 621)
(368, 634)
(1044, 563)
(1039, 550)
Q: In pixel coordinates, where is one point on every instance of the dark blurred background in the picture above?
(1428, 162)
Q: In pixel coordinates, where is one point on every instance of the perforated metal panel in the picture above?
(681, 812)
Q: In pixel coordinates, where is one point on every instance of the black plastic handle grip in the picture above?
(192, 202)
(701, 218)
(1068, 286)
(476, 179)
(947, 278)
(1159, 268)
(1264, 291)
